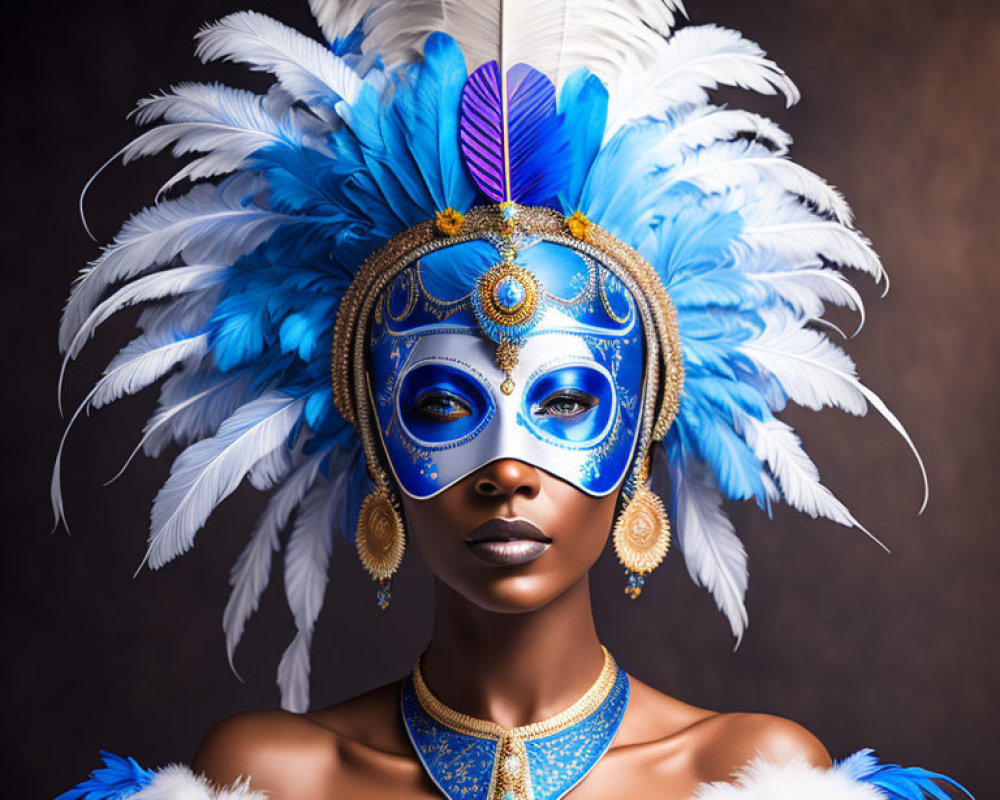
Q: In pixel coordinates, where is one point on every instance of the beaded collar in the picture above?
(474, 759)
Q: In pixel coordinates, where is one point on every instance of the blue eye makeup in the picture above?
(573, 404)
(441, 404)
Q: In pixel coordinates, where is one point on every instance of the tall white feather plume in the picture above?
(815, 373)
(307, 560)
(555, 37)
(307, 70)
(210, 470)
(713, 553)
(206, 225)
(249, 575)
(683, 69)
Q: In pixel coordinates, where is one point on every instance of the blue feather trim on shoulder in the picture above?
(898, 783)
(117, 779)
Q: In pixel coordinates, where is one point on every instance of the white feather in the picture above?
(307, 561)
(796, 244)
(732, 166)
(189, 419)
(142, 362)
(186, 415)
(157, 286)
(249, 575)
(705, 125)
(684, 67)
(777, 446)
(227, 125)
(188, 313)
(209, 224)
(270, 470)
(812, 370)
(210, 470)
(555, 37)
(293, 673)
(714, 555)
(806, 290)
(173, 320)
(306, 69)
(337, 18)
(815, 373)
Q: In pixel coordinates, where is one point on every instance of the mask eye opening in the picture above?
(566, 403)
(437, 404)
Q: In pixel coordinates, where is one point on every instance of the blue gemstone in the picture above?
(509, 292)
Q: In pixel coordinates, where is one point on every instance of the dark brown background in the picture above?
(898, 653)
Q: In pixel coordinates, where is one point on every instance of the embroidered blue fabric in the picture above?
(462, 766)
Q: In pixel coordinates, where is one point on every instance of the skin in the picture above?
(511, 644)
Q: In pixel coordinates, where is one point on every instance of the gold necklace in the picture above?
(510, 779)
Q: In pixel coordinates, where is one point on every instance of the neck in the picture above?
(512, 669)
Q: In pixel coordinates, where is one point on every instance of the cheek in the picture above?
(580, 523)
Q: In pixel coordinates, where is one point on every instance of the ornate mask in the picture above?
(479, 354)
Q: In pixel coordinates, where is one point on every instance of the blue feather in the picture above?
(431, 114)
(583, 109)
(898, 783)
(514, 147)
(117, 779)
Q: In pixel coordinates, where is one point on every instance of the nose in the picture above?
(507, 478)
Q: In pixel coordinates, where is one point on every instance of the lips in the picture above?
(507, 542)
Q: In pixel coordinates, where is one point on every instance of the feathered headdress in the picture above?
(420, 108)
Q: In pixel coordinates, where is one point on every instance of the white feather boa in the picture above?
(178, 782)
(759, 780)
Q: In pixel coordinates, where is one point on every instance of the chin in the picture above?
(511, 593)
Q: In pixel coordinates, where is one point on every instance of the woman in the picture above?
(549, 273)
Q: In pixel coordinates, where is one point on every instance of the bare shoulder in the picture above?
(667, 745)
(293, 756)
(281, 752)
(726, 742)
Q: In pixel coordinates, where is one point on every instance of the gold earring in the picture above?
(641, 536)
(380, 540)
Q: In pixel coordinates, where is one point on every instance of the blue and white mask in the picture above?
(481, 352)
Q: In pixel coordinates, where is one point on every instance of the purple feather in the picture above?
(516, 152)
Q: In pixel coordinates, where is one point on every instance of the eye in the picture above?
(442, 406)
(565, 404)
